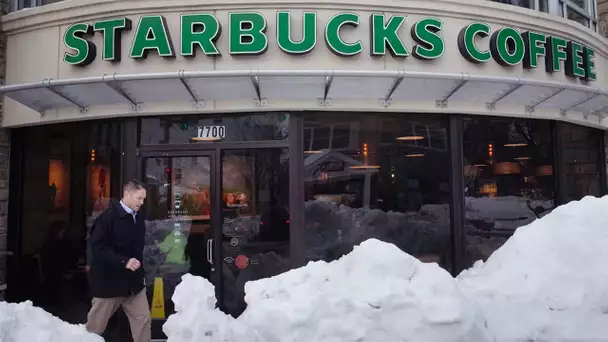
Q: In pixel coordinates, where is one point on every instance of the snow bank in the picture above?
(25, 323)
(549, 281)
(196, 318)
(375, 293)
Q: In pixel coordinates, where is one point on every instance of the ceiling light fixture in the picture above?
(364, 167)
(411, 138)
(414, 155)
(516, 145)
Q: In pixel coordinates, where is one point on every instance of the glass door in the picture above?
(222, 215)
(179, 229)
(254, 220)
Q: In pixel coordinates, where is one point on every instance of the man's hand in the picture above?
(133, 264)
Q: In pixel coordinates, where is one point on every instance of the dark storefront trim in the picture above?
(457, 212)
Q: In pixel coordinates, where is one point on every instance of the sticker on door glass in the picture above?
(241, 261)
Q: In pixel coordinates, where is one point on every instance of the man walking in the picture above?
(116, 275)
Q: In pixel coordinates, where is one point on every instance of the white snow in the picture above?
(23, 322)
(375, 293)
(549, 282)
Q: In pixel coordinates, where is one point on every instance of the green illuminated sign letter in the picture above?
(589, 64)
(112, 34)
(152, 34)
(430, 44)
(555, 53)
(535, 47)
(247, 31)
(334, 40)
(466, 42)
(385, 36)
(74, 39)
(575, 60)
(507, 47)
(309, 33)
(202, 30)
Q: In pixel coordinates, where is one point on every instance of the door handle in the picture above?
(210, 251)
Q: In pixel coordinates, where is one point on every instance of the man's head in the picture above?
(134, 194)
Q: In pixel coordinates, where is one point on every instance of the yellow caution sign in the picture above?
(158, 299)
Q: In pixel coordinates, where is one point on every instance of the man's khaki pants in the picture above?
(136, 308)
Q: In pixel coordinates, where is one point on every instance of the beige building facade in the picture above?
(271, 134)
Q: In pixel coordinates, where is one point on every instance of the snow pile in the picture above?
(198, 320)
(25, 323)
(376, 293)
(549, 281)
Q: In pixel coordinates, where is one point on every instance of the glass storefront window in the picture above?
(194, 129)
(69, 173)
(582, 160)
(509, 182)
(367, 176)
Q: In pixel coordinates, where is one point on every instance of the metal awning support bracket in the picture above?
(110, 81)
(531, 108)
(492, 105)
(387, 99)
(196, 103)
(255, 80)
(443, 103)
(328, 81)
(564, 111)
(600, 110)
(48, 85)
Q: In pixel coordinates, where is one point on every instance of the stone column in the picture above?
(4, 165)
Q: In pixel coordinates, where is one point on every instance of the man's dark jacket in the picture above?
(116, 238)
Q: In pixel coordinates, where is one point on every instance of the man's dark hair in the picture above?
(134, 185)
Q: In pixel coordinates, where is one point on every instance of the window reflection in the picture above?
(376, 176)
(582, 160)
(68, 174)
(508, 170)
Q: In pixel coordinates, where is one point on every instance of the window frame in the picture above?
(590, 13)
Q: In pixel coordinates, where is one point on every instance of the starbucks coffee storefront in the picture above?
(270, 135)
